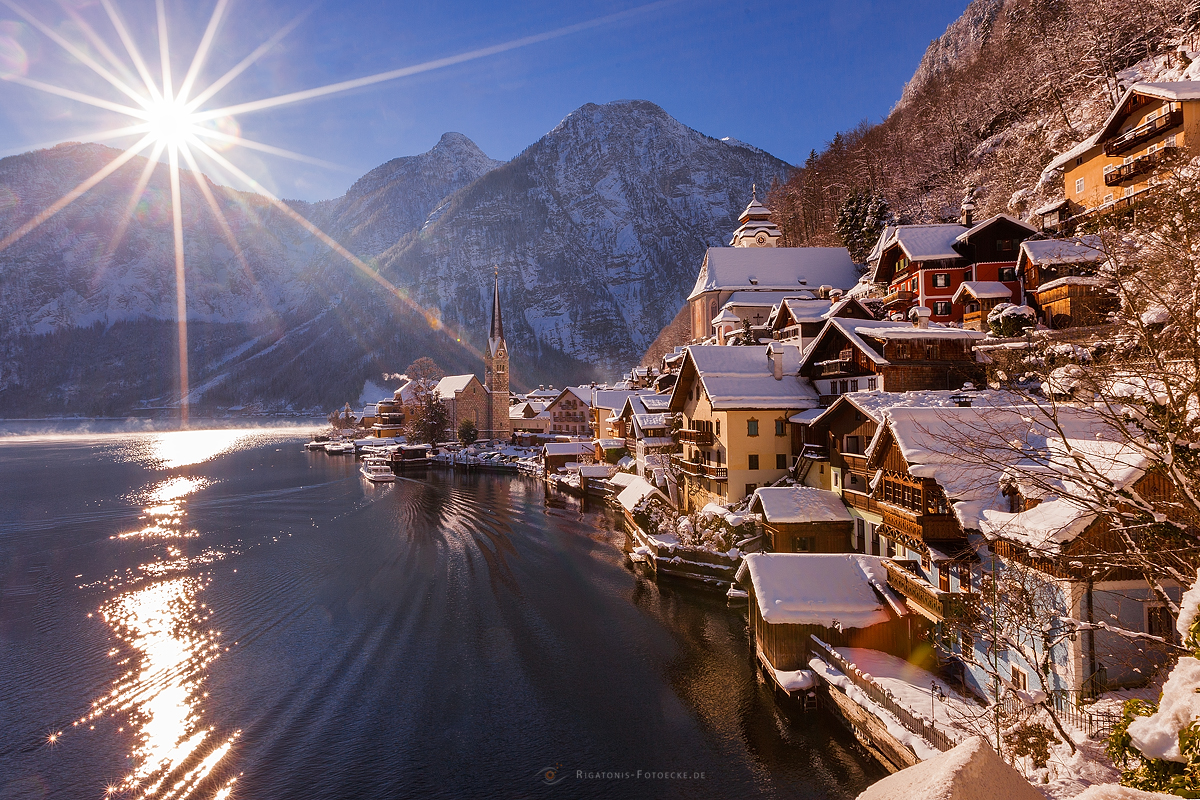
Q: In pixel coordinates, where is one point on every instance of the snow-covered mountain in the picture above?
(597, 231)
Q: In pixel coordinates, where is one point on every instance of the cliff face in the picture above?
(597, 231)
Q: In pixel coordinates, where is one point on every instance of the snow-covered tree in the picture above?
(861, 217)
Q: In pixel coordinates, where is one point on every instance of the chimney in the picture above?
(824, 291)
(836, 294)
(968, 209)
(920, 316)
(775, 357)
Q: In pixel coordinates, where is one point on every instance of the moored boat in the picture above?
(411, 457)
(377, 470)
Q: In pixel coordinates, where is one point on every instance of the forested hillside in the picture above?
(1010, 84)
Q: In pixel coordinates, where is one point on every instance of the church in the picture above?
(485, 404)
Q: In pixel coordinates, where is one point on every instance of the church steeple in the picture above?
(495, 369)
(496, 336)
(757, 229)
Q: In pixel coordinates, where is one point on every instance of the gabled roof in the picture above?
(774, 268)
(827, 589)
(982, 290)
(581, 393)
(450, 384)
(848, 329)
(612, 398)
(966, 235)
(1167, 90)
(929, 242)
(1085, 249)
(786, 505)
(742, 378)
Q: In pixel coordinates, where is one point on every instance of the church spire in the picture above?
(497, 332)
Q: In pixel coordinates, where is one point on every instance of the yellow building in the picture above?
(735, 403)
(1113, 167)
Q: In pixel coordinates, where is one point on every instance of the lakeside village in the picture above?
(954, 560)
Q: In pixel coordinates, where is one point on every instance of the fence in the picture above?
(1094, 724)
(884, 699)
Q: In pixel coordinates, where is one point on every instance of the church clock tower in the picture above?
(495, 371)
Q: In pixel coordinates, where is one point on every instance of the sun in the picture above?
(170, 123)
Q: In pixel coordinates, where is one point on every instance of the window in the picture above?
(854, 385)
(932, 352)
(851, 444)
(802, 544)
(964, 577)
(855, 483)
(968, 643)
(874, 530)
(872, 384)
(780, 427)
(967, 275)
(750, 487)
(752, 427)
(925, 562)
(1108, 198)
(902, 350)
(753, 459)
(1159, 622)
(843, 386)
(860, 534)
(1019, 680)
(1004, 245)
(944, 577)
(1079, 186)
(891, 548)
(1079, 161)
(941, 280)
(941, 308)
(718, 424)
(781, 461)
(1008, 273)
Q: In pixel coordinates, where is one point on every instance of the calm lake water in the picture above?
(220, 613)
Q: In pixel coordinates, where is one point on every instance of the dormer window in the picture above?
(753, 281)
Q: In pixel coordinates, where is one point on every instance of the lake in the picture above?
(220, 613)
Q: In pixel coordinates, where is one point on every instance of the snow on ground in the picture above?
(971, 771)
(910, 686)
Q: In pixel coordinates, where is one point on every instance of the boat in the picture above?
(318, 443)
(339, 448)
(411, 457)
(377, 470)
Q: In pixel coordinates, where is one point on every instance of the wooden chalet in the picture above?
(798, 320)
(924, 265)
(1151, 125)
(802, 519)
(869, 355)
(844, 600)
(1063, 285)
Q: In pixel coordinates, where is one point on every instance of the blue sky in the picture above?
(782, 76)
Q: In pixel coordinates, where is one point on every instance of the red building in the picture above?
(924, 265)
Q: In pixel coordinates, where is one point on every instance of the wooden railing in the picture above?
(923, 527)
(884, 699)
(898, 297)
(702, 438)
(690, 467)
(1114, 175)
(1135, 136)
(943, 605)
(715, 472)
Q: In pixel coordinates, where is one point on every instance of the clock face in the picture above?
(761, 238)
(500, 354)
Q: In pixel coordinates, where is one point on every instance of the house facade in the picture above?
(1064, 281)
(1114, 167)
(571, 412)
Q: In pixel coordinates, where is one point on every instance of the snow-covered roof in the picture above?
(637, 490)
(929, 242)
(754, 209)
(757, 299)
(982, 290)
(726, 315)
(624, 479)
(655, 402)
(831, 590)
(808, 310)
(611, 398)
(786, 268)
(1169, 90)
(974, 229)
(850, 328)
(1053, 205)
(567, 448)
(450, 384)
(741, 377)
(885, 238)
(651, 421)
(970, 771)
(932, 332)
(1076, 250)
(581, 393)
(594, 470)
(798, 504)
(1072, 280)
(808, 417)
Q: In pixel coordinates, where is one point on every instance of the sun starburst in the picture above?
(170, 120)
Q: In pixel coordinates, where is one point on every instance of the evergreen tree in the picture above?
(860, 219)
(468, 432)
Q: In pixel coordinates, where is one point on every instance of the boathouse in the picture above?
(803, 519)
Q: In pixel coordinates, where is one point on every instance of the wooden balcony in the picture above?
(1142, 133)
(859, 500)
(1115, 175)
(836, 367)
(921, 527)
(710, 471)
(938, 604)
(895, 298)
(815, 452)
(702, 438)
(685, 466)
